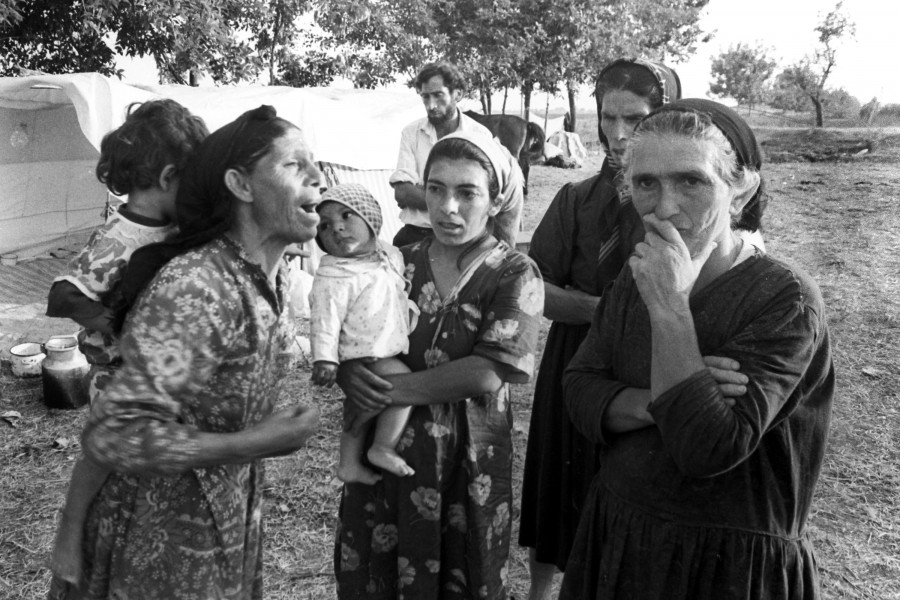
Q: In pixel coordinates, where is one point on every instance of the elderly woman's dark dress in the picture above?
(711, 502)
(580, 245)
(582, 241)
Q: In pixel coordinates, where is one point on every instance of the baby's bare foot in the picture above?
(387, 458)
(357, 473)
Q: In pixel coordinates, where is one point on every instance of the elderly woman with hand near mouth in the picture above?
(580, 245)
(185, 422)
(700, 495)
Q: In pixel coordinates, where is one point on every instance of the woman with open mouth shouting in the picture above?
(185, 422)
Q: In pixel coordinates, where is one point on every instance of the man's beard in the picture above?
(447, 116)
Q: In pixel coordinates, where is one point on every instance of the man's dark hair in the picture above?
(453, 77)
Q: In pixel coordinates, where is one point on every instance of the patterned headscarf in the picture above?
(667, 82)
(357, 198)
(668, 85)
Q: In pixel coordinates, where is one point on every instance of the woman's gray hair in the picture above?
(699, 127)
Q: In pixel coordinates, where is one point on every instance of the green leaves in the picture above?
(808, 77)
(51, 36)
(741, 72)
(499, 43)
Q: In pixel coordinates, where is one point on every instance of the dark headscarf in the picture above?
(661, 87)
(742, 140)
(668, 85)
(204, 205)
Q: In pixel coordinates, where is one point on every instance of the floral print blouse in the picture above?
(444, 532)
(204, 350)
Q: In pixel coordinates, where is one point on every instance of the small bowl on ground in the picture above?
(26, 359)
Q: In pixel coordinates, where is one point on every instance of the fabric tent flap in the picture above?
(51, 127)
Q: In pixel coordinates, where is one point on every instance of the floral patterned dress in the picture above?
(204, 350)
(444, 532)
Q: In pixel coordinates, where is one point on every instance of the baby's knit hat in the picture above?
(358, 199)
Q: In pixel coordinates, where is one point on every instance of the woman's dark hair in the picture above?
(654, 82)
(458, 149)
(629, 77)
(452, 76)
(155, 134)
(204, 206)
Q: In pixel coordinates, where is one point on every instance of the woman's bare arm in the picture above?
(567, 305)
(117, 448)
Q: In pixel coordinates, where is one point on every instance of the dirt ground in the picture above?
(839, 220)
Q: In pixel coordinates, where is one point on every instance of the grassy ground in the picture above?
(839, 220)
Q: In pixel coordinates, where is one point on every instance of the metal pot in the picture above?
(64, 373)
(26, 359)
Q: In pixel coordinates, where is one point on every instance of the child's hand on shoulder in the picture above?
(324, 373)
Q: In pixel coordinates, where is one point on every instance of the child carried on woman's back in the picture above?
(360, 308)
(142, 158)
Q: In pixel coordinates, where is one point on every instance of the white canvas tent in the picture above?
(550, 126)
(51, 127)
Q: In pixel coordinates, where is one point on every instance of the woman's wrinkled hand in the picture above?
(726, 371)
(365, 389)
(664, 271)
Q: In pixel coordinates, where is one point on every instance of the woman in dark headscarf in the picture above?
(187, 418)
(580, 245)
(700, 495)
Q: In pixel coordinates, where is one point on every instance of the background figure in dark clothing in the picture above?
(580, 245)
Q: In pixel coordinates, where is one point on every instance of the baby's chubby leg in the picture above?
(65, 560)
(390, 425)
(350, 467)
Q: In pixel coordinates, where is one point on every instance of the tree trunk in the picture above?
(570, 89)
(484, 94)
(193, 78)
(527, 87)
(276, 35)
(820, 121)
(272, 60)
(505, 95)
(546, 111)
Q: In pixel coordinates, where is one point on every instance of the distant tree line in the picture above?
(745, 73)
